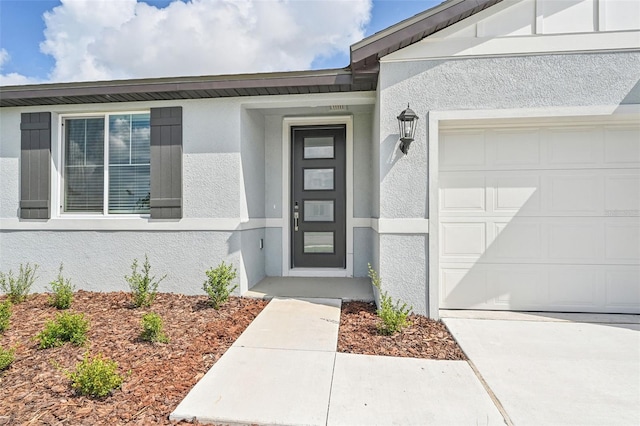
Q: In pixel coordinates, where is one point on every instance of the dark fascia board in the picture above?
(366, 53)
(333, 80)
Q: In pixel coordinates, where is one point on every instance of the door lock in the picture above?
(295, 221)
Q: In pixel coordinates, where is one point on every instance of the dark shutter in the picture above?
(166, 163)
(35, 165)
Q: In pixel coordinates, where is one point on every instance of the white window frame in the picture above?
(61, 175)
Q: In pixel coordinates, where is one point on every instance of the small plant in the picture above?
(5, 315)
(96, 377)
(7, 356)
(393, 316)
(62, 291)
(17, 288)
(143, 287)
(218, 284)
(66, 327)
(152, 328)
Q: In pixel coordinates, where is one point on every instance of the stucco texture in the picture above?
(9, 163)
(98, 261)
(480, 84)
(537, 81)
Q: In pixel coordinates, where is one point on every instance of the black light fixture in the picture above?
(407, 125)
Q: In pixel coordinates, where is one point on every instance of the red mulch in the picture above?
(34, 389)
(424, 338)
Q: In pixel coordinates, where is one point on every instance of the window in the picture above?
(107, 164)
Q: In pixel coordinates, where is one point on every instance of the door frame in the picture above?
(287, 124)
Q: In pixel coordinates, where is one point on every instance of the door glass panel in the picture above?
(318, 147)
(318, 242)
(318, 211)
(318, 179)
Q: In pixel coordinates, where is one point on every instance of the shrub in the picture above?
(143, 287)
(7, 356)
(66, 327)
(152, 328)
(218, 284)
(17, 288)
(96, 377)
(62, 290)
(393, 316)
(5, 315)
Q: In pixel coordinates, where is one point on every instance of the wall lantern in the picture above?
(407, 125)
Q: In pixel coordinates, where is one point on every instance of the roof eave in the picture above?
(366, 53)
(322, 81)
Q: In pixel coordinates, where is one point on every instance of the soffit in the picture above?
(288, 83)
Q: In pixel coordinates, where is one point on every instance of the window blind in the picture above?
(129, 163)
(84, 165)
(127, 172)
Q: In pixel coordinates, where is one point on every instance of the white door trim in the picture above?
(456, 118)
(287, 123)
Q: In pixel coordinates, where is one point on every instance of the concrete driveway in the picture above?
(552, 369)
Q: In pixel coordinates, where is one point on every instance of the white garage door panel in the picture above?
(552, 240)
(567, 288)
(540, 218)
(585, 192)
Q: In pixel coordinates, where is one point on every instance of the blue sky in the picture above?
(111, 39)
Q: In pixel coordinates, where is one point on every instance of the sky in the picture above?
(50, 41)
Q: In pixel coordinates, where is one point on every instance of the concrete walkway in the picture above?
(346, 289)
(284, 370)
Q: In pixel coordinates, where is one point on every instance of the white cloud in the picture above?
(13, 78)
(4, 57)
(107, 39)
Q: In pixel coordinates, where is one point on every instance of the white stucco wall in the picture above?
(98, 260)
(232, 186)
(252, 187)
(211, 161)
(98, 253)
(9, 162)
(363, 148)
(524, 82)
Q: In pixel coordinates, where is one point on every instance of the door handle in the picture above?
(295, 221)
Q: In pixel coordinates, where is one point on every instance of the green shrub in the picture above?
(96, 377)
(62, 291)
(152, 328)
(66, 327)
(5, 315)
(7, 356)
(17, 288)
(218, 284)
(393, 315)
(143, 287)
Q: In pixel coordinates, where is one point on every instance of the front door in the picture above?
(318, 206)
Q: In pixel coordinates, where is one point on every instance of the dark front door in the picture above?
(318, 206)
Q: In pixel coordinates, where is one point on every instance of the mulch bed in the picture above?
(34, 389)
(424, 338)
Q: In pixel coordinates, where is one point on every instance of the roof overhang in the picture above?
(365, 55)
(284, 83)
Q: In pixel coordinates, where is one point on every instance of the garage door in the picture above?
(540, 217)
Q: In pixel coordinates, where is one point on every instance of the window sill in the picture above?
(108, 223)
